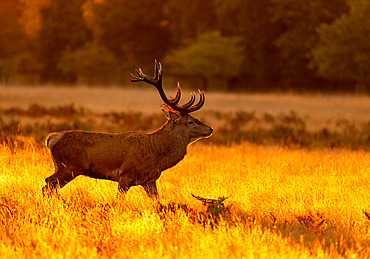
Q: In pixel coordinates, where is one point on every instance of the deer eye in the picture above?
(190, 122)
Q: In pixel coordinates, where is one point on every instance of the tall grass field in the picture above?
(280, 203)
(236, 197)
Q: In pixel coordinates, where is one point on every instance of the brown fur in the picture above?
(131, 158)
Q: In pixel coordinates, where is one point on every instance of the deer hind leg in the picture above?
(60, 178)
(124, 184)
(151, 189)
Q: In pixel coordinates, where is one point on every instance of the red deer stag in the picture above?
(130, 158)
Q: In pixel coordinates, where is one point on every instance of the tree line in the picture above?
(232, 45)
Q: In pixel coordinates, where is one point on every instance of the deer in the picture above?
(130, 158)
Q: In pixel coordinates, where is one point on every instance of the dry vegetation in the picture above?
(281, 202)
(297, 191)
(290, 120)
(316, 110)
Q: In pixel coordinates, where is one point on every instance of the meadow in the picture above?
(307, 196)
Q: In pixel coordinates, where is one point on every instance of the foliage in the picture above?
(343, 50)
(284, 44)
(136, 31)
(10, 28)
(210, 55)
(91, 64)
(62, 29)
(299, 20)
(190, 18)
(251, 21)
(11, 37)
(26, 63)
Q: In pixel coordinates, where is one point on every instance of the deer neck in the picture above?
(169, 144)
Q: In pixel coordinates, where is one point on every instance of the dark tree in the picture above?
(190, 18)
(62, 29)
(251, 20)
(135, 31)
(343, 50)
(299, 20)
(12, 38)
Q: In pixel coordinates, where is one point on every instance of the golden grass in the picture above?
(282, 203)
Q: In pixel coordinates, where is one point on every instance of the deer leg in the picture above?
(151, 189)
(60, 178)
(124, 184)
(122, 189)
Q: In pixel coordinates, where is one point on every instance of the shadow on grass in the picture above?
(313, 230)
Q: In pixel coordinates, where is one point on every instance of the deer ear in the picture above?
(175, 117)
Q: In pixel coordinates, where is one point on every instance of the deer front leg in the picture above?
(61, 177)
(125, 181)
(151, 189)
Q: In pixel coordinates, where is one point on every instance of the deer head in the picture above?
(179, 115)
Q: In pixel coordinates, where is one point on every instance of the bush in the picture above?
(92, 64)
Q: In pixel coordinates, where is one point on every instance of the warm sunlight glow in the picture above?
(282, 203)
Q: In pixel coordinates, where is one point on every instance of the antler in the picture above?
(206, 201)
(173, 102)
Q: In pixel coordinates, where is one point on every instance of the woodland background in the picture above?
(288, 173)
(265, 45)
